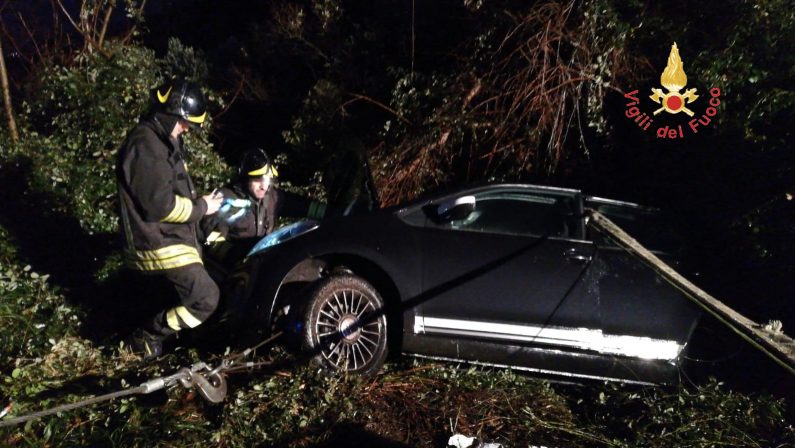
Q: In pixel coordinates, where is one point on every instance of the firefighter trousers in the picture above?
(198, 297)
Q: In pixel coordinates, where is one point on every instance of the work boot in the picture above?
(145, 344)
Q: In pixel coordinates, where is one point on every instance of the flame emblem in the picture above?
(674, 79)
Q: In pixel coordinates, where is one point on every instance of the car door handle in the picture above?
(574, 256)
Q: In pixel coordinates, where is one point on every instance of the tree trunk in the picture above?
(12, 124)
(769, 339)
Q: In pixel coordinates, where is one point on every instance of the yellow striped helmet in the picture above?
(183, 99)
(257, 163)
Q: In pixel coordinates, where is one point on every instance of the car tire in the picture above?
(345, 326)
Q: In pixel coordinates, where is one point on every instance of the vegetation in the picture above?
(411, 403)
(431, 94)
(74, 120)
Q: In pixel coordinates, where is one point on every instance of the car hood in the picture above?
(283, 234)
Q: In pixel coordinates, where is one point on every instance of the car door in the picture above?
(635, 300)
(512, 270)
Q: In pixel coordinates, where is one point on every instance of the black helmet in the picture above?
(257, 163)
(183, 99)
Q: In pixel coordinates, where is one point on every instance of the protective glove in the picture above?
(233, 209)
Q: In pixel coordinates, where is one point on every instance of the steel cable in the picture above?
(71, 406)
(227, 365)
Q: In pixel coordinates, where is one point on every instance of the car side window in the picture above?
(513, 213)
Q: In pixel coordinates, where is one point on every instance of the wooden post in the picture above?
(772, 342)
(12, 124)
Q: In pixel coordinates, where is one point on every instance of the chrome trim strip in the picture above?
(607, 201)
(581, 338)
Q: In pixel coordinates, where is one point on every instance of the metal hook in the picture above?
(212, 387)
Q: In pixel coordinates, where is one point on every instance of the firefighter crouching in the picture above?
(253, 204)
(160, 214)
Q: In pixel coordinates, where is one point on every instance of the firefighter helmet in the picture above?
(183, 99)
(257, 163)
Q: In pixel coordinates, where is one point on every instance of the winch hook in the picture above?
(211, 385)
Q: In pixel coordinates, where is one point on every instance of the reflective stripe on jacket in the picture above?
(159, 207)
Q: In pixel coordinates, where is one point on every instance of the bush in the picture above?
(77, 116)
(33, 313)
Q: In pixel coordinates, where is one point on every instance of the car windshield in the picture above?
(283, 234)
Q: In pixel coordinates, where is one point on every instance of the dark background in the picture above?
(724, 188)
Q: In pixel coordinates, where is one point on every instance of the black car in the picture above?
(501, 275)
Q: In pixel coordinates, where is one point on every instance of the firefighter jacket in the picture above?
(159, 208)
(261, 218)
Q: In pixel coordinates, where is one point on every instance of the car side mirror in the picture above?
(455, 209)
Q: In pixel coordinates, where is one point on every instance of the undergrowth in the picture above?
(46, 363)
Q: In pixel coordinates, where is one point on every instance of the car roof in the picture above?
(435, 195)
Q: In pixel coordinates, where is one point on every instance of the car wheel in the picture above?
(345, 326)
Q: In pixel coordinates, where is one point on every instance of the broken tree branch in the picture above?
(769, 339)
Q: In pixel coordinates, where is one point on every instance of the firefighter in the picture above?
(253, 204)
(160, 214)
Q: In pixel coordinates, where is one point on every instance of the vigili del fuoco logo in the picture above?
(673, 101)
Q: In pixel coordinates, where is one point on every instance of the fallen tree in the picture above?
(770, 339)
